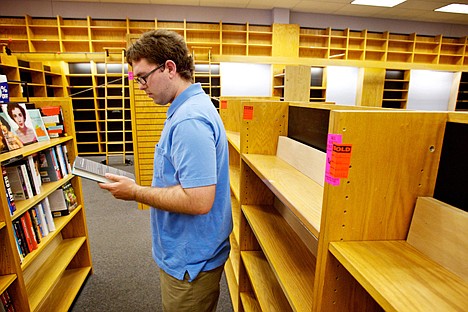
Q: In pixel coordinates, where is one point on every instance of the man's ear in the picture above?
(171, 67)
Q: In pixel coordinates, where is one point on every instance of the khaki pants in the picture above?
(201, 295)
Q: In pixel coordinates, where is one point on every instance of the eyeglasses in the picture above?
(142, 80)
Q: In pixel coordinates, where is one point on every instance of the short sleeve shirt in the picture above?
(192, 152)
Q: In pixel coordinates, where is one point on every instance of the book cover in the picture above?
(21, 237)
(53, 120)
(48, 168)
(95, 171)
(35, 225)
(56, 162)
(58, 205)
(8, 191)
(16, 182)
(27, 180)
(48, 214)
(38, 125)
(31, 228)
(32, 163)
(61, 160)
(3, 136)
(20, 252)
(20, 122)
(9, 140)
(4, 94)
(27, 233)
(67, 159)
(41, 220)
(70, 196)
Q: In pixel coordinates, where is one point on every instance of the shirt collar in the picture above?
(192, 90)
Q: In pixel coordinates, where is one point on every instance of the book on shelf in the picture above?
(21, 237)
(26, 179)
(4, 93)
(95, 171)
(35, 225)
(63, 200)
(67, 159)
(48, 166)
(18, 247)
(18, 187)
(38, 125)
(6, 302)
(28, 232)
(20, 122)
(45, 204)
(8, 191)
(61, 160)
(41, 220)
(9, 140)
(70, 196)
(53, 120)
(32, 163)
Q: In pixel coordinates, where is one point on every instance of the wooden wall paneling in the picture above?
(297, 83)
(263, 122)
(285, 40)
(370, 87)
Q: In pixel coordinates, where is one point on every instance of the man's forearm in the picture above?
(177, 199)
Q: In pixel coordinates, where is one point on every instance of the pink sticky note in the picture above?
(332, 138)
(130, 75)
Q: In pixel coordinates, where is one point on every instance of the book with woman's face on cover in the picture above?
(20, 122)
(8, 140)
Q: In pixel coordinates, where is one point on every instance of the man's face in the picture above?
(152, 79)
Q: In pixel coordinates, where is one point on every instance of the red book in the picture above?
(28, 231)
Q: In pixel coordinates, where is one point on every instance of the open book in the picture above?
(95, 171)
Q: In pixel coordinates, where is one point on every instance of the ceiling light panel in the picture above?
(454, 8)
(381, 3)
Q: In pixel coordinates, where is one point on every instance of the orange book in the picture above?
(29, 231)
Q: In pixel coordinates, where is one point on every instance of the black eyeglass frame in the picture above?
(142, 80)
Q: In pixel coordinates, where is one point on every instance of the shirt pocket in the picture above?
(159, 157)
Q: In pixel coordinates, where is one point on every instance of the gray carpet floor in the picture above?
(125, 276)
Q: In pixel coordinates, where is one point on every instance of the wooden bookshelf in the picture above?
(396, 86)
(288, 217)
(59, 34)
(32, 78)
(50, 277)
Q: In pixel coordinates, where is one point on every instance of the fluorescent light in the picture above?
(454, 8)
(381, 3)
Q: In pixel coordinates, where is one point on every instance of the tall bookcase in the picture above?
(50, 277)
(287, 207)
(462, 98)
(396, 88)
(101, 102)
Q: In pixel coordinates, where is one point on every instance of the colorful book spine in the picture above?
(9, 193)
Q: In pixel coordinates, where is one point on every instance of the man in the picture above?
(190, 195)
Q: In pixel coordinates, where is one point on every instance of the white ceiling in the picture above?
(413, 10)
